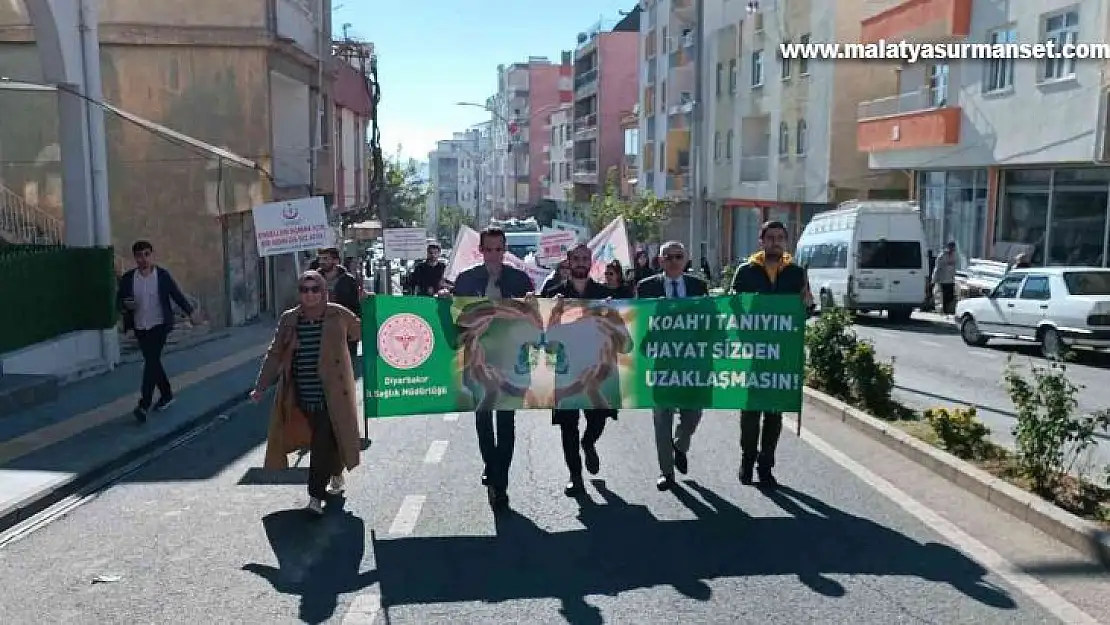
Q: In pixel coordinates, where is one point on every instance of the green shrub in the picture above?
(960, 431)
(841, 364)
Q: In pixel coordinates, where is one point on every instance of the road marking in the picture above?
(451, 416)
(990, 559)
(435, 452)
(930, 343)
(405, 521)
(46, 436)
(364, 609)
(982, 354)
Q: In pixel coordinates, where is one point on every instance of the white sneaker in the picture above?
(315, 506)
(337, 485)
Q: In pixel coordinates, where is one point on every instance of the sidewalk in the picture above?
(48, 450)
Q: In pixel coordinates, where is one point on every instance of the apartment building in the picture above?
(250, 76)
(780, 137)
(559, 184)
(454, 169)
(630, 162)
(527, 93)
(1006, 156)
(606, 84)
(353, 95)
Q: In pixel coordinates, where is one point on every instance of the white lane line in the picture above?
(451, 416)
(364, 609)
(990, 559)
(435, 452)
(930, 343)
(405, 521)
(982, 353)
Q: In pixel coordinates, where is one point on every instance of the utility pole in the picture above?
(697, 135)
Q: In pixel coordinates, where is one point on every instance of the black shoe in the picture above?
(163, 403)
(664, 482)
(574, 488)
(591, 459)
(747, 474)
(485, 480)
(140, 413)
(680, 461)
(767, 480)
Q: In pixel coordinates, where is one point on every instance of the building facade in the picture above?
(454, 169)
(606, 85)
(250, 77)
(353, 98)
(560, 154)
(630, 161)
(1006, 156)
(527, 93)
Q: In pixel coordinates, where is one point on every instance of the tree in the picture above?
(403, 196)
(450, 219)
(644, 216)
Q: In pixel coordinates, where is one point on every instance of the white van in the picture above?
(867, 256)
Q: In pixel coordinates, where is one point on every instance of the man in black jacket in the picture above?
(771, 270)
(427, 274)
(342, 290)
(671, 443)
(579, 286)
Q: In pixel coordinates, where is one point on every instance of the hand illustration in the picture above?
(473, 324)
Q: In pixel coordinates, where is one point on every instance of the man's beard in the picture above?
(579, 273)
(775, 254)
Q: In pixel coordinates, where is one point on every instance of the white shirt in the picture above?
(674, 287)
(148, 309)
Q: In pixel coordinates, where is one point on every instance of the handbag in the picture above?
(296, 430)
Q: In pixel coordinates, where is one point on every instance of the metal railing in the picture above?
(585, 78)
(923, 99)
(24, 223)
(585, 165)
(755, 168)
(586, 122)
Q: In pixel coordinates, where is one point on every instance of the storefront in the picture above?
(745, 217)
(1059, 215)
(954, 207)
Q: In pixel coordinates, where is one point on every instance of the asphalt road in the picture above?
(202, 535)
(934, 368)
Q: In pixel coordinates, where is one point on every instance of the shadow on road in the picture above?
(624, 547)
(916, 326)
(318, 558)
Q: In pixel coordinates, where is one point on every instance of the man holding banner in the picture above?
(672, 444)
(494, 280)
(770, 270)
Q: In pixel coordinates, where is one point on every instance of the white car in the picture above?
(1058, 307)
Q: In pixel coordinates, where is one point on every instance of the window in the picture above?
(728, 144)
(824, 256)
(720, 77)
(1000, 72)
(938, 85)
(890, 254)
(733, 76)
(717, 146)
(800, 140)
(1088, 282)
(1008, 288)
(1061, 29)
(803, 63)
(757, 68)
(1036, 287)
(784, 139)
(785, 67)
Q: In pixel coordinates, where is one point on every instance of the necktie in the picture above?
(674, 288)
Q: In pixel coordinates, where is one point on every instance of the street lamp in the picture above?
(512, 133)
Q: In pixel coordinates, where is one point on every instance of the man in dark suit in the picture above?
(494, 280)
(770, 270)
(145, 298)
(672, 444)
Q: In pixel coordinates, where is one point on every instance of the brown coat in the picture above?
(340, 326)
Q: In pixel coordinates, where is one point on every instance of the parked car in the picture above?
(1058, 307)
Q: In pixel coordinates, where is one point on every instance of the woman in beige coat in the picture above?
(316, 403)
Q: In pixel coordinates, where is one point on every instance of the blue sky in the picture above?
(433, 53)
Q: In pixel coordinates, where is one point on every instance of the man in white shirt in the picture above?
(145, 298)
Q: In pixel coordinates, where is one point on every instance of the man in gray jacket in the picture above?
(944, 275)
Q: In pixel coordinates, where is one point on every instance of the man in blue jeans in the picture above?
(494, 280)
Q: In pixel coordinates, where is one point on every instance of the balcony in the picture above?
(682, 103)
(585, 126)
(681, 58)
(585, 171)
(918, 119)
(296, 20)
(678, 186)
(685, 10)
(755, 168)
(585, 83)
(919, 20)
(650, 43)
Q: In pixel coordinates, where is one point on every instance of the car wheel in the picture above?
(969, 332)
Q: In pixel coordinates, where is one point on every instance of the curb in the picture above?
(39, 501)
(1080, 534)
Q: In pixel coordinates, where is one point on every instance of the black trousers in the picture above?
(567, 420)
(323, 454)
(151, 344)
(496, 439)
(759, 441)
(948, 298)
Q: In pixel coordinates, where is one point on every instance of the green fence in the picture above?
(47, 291)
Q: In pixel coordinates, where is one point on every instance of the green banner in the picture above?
(426, 355)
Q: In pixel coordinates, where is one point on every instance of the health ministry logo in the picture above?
(405, 341)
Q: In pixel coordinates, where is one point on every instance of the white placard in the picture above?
(292, 226)
(554, 245)
(406, 243)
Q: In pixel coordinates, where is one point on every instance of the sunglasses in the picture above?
(310, 289)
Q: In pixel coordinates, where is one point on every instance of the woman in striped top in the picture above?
(309, 355)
